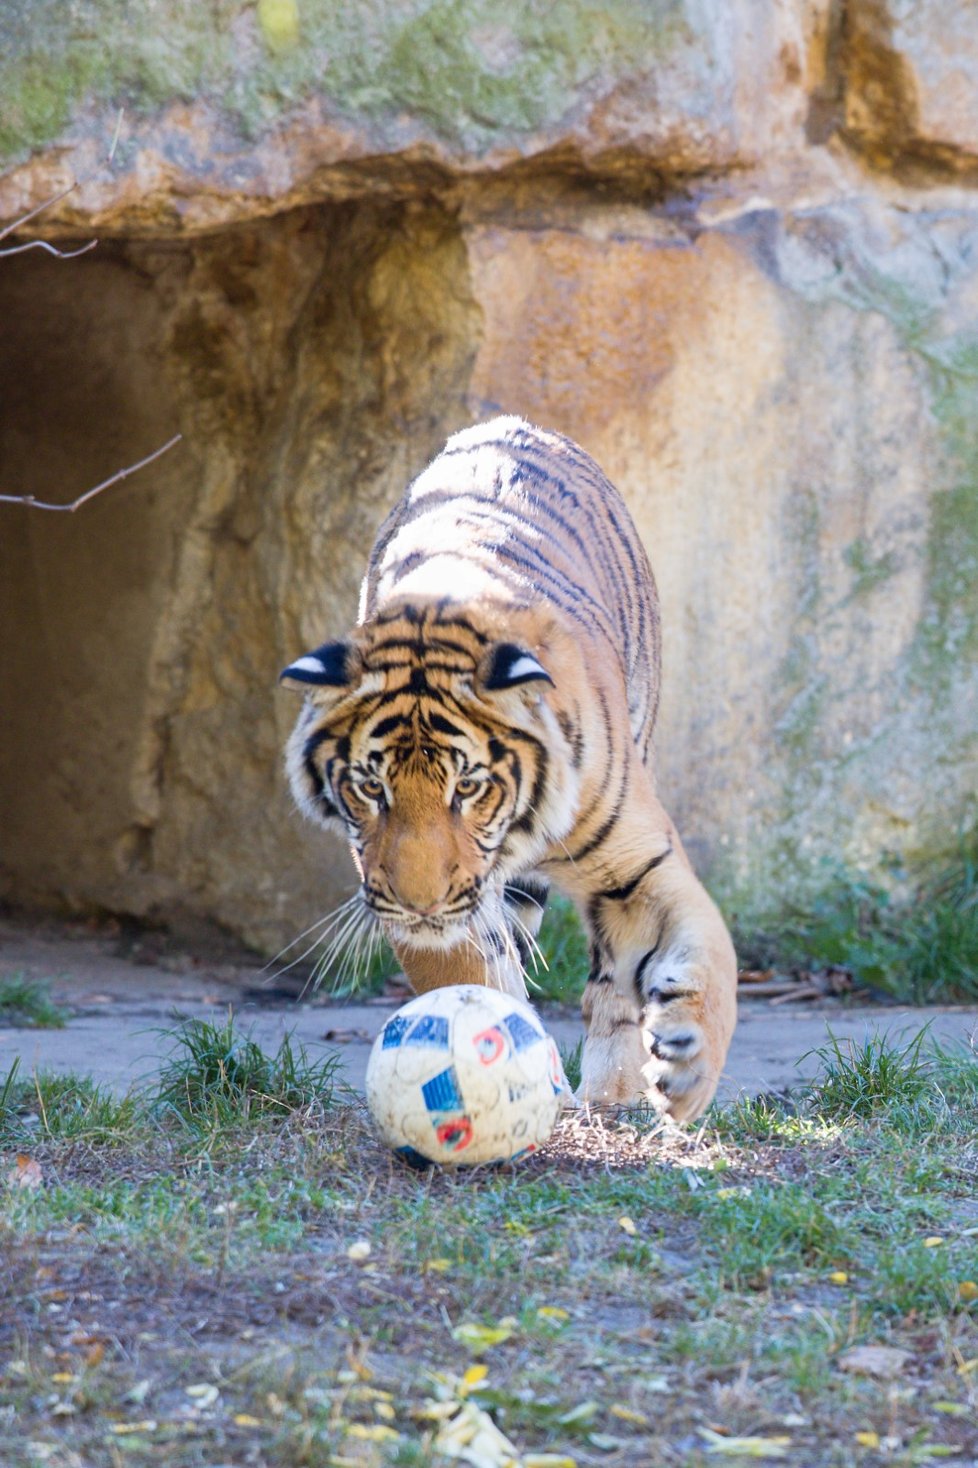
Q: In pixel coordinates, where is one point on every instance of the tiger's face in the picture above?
(431, 745)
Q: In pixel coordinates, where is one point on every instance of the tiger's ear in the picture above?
(508, 665)
(330, 666)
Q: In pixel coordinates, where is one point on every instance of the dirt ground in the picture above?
(122, 993)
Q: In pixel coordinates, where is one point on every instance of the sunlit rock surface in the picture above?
(723, 249)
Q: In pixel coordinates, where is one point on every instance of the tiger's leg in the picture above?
(660, 1004)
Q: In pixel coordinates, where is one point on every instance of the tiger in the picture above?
(485, 733)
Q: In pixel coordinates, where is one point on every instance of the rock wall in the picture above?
(732, 250)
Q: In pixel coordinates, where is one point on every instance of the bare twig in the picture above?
(38, 209)
(42, 244)
(28, 499)
(118, 130)
(51, 249)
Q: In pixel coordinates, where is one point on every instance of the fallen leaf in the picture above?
(436, 1266)
(968, 1290)
(625, 1414)
(881, 1361)
(279, 21)
(244, 1419)
(933, 1241)
(553, 1312)
(26, 1173)
(479, 1338)
(374, 1432)
(868, 1439)
(547, 1460)
(474, 1376)
(745, 1447)
(358, 1251)
(204, 1393)
(122, 1429)
(473, 1437)
(627, 1225)
(839, 1277)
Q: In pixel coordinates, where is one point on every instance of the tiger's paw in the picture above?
(612, 1068)
(678, 1075)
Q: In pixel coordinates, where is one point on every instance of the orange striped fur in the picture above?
(486, 731)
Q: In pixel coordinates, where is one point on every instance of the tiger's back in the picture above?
(515, 515)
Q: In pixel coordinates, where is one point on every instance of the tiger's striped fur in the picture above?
(487, 730)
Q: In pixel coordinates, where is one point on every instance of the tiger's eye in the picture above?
(372, 788)
(467, 786)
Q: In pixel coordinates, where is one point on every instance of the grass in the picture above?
(858, 1080)
(921, 949)
(25, 1002)
(217, 1077)
(286, 1294)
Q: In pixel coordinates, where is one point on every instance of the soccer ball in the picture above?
(463, 1075)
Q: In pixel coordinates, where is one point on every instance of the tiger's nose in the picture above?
(423, 906)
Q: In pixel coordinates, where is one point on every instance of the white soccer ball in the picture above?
(464, 1075)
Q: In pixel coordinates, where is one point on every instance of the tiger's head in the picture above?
(430, 741)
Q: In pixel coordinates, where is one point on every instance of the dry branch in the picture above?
(28, 499)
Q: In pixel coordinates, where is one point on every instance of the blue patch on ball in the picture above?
(521, 1032)
(431, 1029)
(394, 1031)
(442, 1092)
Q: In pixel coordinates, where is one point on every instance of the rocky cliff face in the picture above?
(733, 250)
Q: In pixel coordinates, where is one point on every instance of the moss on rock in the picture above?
(470, 71)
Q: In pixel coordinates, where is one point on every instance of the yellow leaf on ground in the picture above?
(474, 1376)
(745, 1447)
(358, 1251)
(553, 1312)
(838, 1276)
(547, 1460)
(933, 1241)
(479, 1338)
(625, 1414)
(628, 1225)
(868, 1439)
(968, 1290)
(373, 1432)
(279, 21)
(244, 1419)
(436, 1266)
(122, 1429)
(473, 1437)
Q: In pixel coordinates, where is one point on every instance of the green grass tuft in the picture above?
(861, 1080)
(25, 1002)
(217, 1077)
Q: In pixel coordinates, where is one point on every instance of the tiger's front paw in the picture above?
(612, 1067)
(688, 1022)
(678, 1068)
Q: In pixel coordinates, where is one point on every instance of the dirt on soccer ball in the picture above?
(464, 1075)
